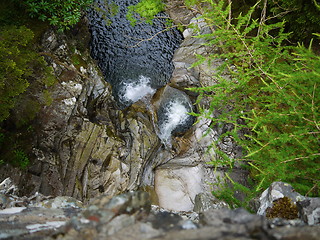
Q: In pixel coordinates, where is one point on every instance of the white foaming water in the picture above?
(135, 91)
(177, 114)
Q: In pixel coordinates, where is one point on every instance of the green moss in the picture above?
(283, 208)
(78, 61)
(111, 134)
(47, 97)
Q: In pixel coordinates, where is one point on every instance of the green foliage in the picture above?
(145, 10)
(13, 150)
(270, 96)
(24, 80)
(302, 16)
(60, 13)
(15, 59)
(47, 97)
(19, 66)
(227, 189)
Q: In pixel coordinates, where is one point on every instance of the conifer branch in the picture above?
(300, 158)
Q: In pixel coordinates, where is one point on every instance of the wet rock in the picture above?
(189, 161)
(83, 145)
(177, 13)
(184, 75)
(172, 114)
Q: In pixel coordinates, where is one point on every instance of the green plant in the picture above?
(15, 62)
(226, 189)
(145, 10)
(21, 67)
(21, 159)
(269, 96)
(60, 13)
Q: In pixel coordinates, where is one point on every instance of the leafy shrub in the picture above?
(271, 97)
(15, 62)
(145, 10)
(60, 13)
(20, 65)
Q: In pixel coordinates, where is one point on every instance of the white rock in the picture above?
(177, 188)
(12, 210)
(83, 70)
(69, 101)
(45, 226)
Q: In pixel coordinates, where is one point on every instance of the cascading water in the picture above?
(173, 117)
(134, 91)
(135, 60)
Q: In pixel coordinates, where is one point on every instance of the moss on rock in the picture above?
(283, 208)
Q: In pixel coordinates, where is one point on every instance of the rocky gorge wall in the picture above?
(84, 145)
(91, 160)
